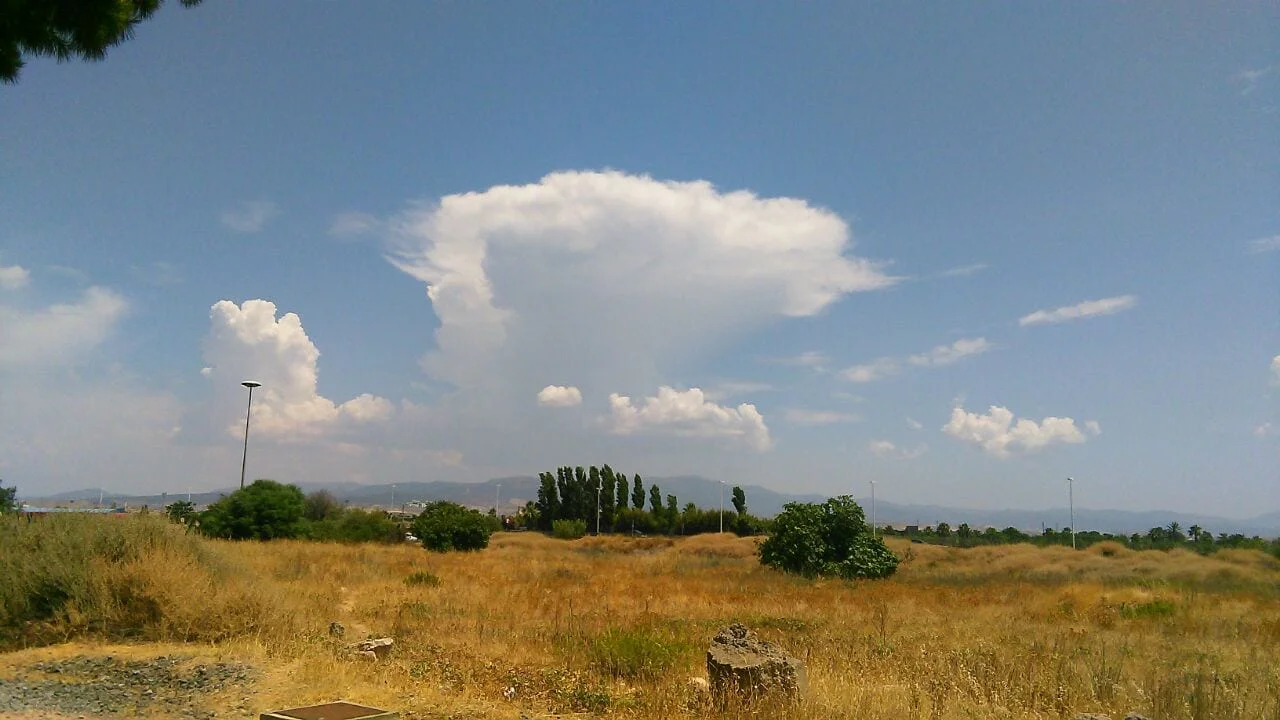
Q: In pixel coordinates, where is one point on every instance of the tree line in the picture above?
(1167, 537)
(604, 499)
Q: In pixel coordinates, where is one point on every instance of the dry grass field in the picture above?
(535, 627)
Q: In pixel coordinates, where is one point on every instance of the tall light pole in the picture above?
(597, 505)
(251, 384)
(497, 495)
(721, 506)
(1071, 499)
(393, 496)
(873, 507)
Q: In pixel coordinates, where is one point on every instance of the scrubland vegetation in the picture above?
(610, 625)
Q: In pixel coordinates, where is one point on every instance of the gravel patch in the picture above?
(105, 687)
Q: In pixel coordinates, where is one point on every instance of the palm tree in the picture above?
(1195, 533)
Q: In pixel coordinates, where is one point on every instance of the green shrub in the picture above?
(631, 654)
(1147, 610)
(356, 526)
(444, 526)
(264, 510)
(569, 529)
(422, 577)
(831, 539)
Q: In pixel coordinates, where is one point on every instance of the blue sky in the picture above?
(835, 222)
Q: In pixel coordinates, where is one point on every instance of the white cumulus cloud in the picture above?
(13, 277)
(1086, 309)
(520, 277)
(250, 217)
(999, 435)
(60, 333)
(1275, 369)
(248, 341)
(559, 396)
(687, 413)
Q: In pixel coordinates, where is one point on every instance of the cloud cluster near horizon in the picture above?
(997, 433)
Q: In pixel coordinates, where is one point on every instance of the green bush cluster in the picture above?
(831, 539)
(569, 529)
(444, 526)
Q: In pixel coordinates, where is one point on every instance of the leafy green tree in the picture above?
(607, 496)
(443, 526)
(623, 492)
(64, 30)
(181, 511)
(264, 510)
(739, 500)
(548, 504)
(637, 493)
(655, 500)
(585, 506)
(8, 499)
(672, 509)
(322, 505)
(831, 539)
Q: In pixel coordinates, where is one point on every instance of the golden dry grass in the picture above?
(535, 626)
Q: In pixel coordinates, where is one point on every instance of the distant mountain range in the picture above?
(514, 492)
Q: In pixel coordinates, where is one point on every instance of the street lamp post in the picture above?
(1071, 500)
(597, 505)
(251, 384)
(497, 495)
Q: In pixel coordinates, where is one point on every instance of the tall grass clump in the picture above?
(142, 577)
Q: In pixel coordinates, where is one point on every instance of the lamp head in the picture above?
(251, 383)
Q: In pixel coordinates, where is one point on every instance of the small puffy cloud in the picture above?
(1092, 427)
(914, 424)
(61, 333)
(559, 396)
(802, 416)
(688, 413)
(1275, 369)
(878, 369)
(248, 341)
(1264, 430)
(250, 217)
(354, 224)
(368, 408)
(999, 435)
(13, 277)
(1264, 245)
(1086, 309)
(948, 354)
(964, 270)
(886, 449)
